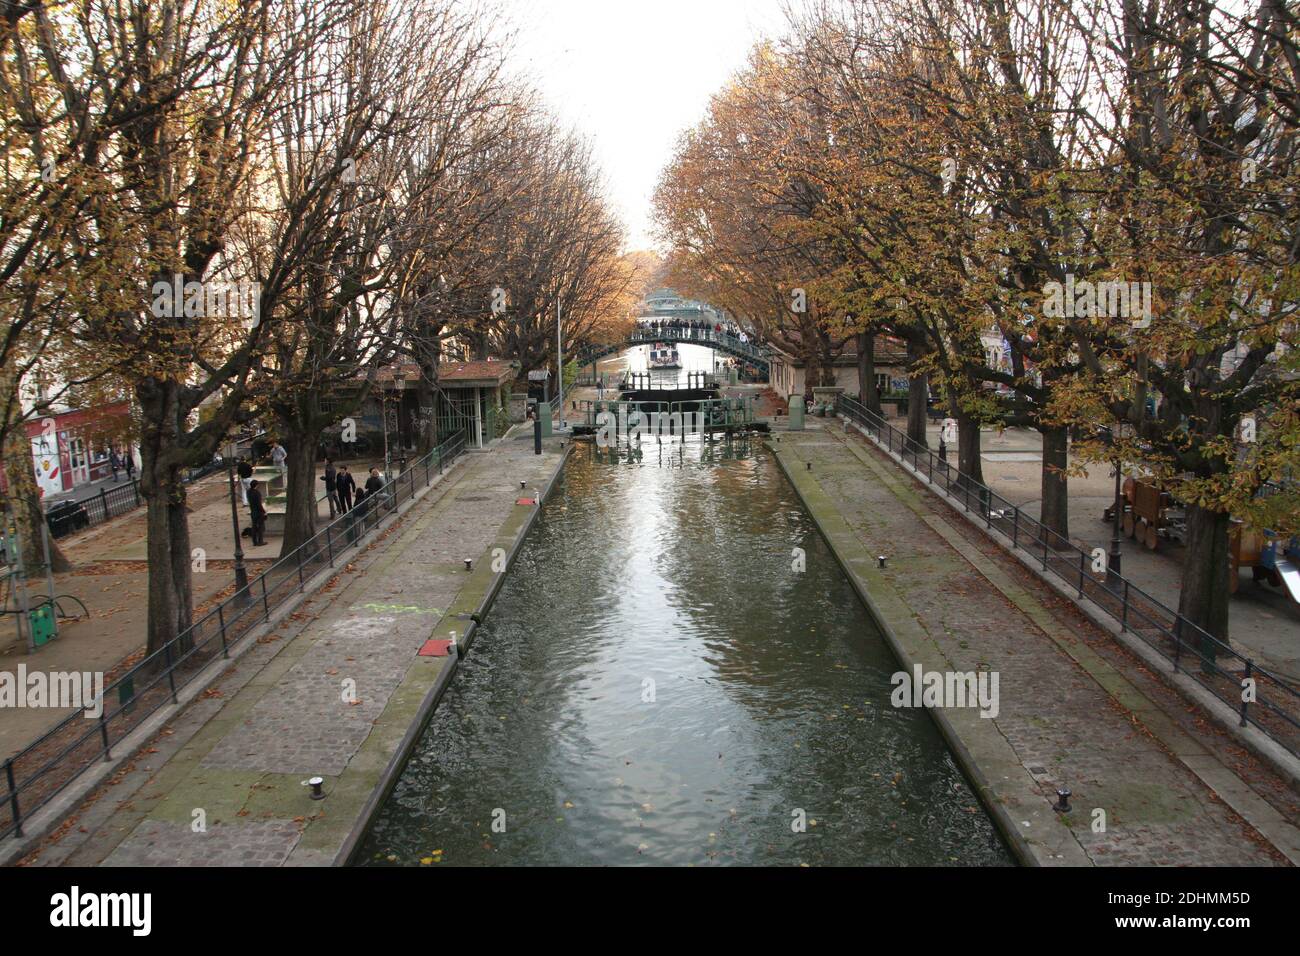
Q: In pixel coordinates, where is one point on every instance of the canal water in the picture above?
(659, 683)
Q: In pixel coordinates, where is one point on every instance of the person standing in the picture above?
(114, 462)
(331, 486)
(344, 486)
(258, 512)
(374, 482)
(130, 465)
(278, 456)
(245, 471)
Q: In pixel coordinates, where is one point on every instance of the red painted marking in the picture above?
(435, 649)
(526, 501)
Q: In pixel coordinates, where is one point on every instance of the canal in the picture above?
(659, 683)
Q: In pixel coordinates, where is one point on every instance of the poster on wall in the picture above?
(45, 456)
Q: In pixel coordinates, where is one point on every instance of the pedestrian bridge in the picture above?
(710, 338)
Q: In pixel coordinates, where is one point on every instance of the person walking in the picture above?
(331, 486)
(345, 486)
(129, 461)
(258, 512)
(114, 462)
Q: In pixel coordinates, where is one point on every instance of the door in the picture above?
(80, 461)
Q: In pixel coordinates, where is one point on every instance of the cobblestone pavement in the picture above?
(330, 693)
(957, 609)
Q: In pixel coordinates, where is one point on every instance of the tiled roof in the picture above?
(477, 371)
(887, 352)
(453, 372)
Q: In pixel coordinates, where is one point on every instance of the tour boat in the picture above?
(663, 356)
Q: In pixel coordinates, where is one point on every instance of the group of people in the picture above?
(695, 327)
(341, 488)
(121, 463)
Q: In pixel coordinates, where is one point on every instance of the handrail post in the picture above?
(329, 541)
(103, 731)
(13, 797)
(1015, 525)
(1123, 619)
(171, 673)
(1082, 566)
(266, 607)
(221, 619)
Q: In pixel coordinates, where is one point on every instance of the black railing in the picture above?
(33, 777)
(1259, 697)
(68, 516)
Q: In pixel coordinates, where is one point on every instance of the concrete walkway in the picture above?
(1263, 621)
(336, 691)
(1072, 714)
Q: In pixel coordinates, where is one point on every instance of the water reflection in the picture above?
(656, 684)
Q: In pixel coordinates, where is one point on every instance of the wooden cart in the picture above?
(1149, 514)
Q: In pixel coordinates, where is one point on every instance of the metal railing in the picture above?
(1274, 706)
(32, 778)
(70, 515)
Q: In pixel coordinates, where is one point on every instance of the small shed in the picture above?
(475, 393)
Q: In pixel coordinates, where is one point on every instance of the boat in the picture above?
(663, 357)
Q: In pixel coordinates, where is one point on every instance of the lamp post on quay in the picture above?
(399, 381)
(1114, 560)
(242, 597)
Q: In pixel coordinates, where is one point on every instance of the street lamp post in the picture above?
(559, 360)
(1114, 560)
(399, 381)
(383, 402)
(242, 597)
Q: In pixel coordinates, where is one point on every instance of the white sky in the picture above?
(632, 75)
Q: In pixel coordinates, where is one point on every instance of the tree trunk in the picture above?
(969, 461)
(867, 393)
(813, 370)
(171, 593)
(23, 502)
(917, 388)
(301, 487)
(1205, 592)
(1054, 512)
(426, 438)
